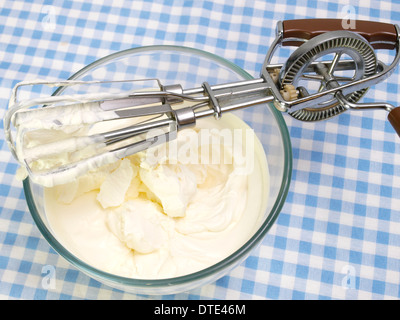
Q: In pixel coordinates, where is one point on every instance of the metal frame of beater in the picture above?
(321, 105)
(339, 93)
(279, 84)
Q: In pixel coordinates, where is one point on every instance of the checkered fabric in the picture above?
(338, 234)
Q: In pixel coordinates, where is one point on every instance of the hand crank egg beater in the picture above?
(328, 73)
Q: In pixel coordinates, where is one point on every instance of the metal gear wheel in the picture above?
(360, 56)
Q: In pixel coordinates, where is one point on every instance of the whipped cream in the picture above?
(167, 212)
(160, 213)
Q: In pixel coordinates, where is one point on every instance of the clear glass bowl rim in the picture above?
(214, 269)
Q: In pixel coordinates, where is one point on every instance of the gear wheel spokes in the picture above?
(361, 59)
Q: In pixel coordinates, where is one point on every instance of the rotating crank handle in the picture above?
(379, 35)
(394, 119)
(393, 116)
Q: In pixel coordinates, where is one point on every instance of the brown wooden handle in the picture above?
(380, 35)
(394, 119)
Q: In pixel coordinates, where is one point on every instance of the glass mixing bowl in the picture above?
(190, 68)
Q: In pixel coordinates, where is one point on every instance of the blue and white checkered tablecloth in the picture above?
(338, 235)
